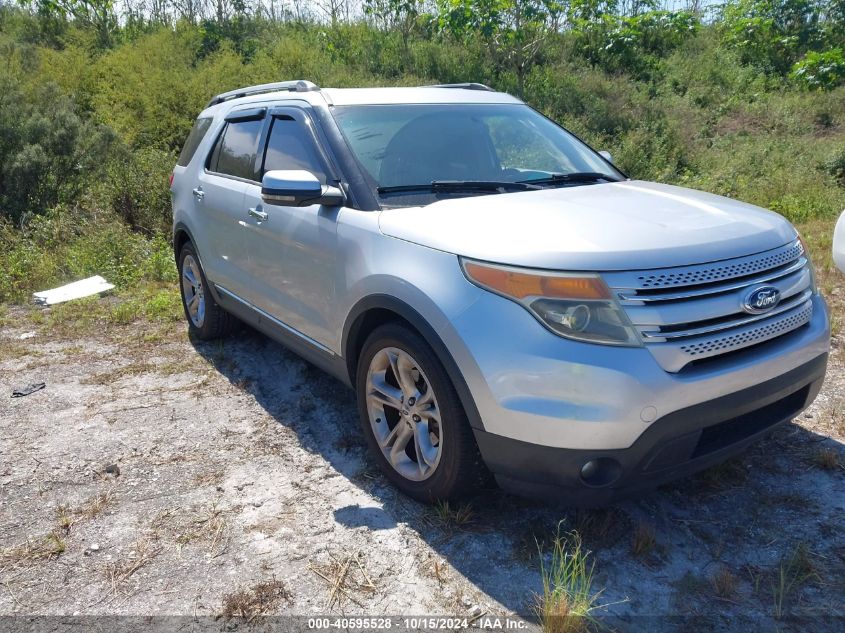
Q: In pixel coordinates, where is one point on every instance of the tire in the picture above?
(206, 319)
(457, 471)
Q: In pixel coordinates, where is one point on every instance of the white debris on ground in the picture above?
(76, 290)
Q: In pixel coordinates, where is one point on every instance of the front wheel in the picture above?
(412, 418)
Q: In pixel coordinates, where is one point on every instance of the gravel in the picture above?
(159, 476)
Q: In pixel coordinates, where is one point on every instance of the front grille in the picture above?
(749, 337)
(691, 275)
(689, 313)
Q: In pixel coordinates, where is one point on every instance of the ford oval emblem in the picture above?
(761, 299)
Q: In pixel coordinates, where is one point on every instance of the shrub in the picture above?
(835, 165)
(822, 71)
(633, 44)
(69, 244)
(47, 152)
(771, 34)
(136, 188)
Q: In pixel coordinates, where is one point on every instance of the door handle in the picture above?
(199, 194)
(258, 214)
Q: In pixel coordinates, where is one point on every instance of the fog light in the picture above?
(601, 471)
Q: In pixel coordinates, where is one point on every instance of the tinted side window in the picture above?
(234, 152)
(291, 147)
(194, 140)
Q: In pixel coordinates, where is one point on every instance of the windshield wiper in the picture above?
(462, 185)
(575, 177)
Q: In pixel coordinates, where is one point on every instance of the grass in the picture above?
(729, 474)
(794, 572)
(256, 601)
(47, 547)
(67, 516)
(724, 583)
(346, 576)
(210, 477)
(13, 350)
(151, 302)
(568, 597)
(602, 527)
(143, 552)
(53, 544)
(690, 584)
(827, 459)
(142, 366)
(643, 541)
(449, 517)
(207, 525)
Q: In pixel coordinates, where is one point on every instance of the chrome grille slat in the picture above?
(674, 356)
(756, 335)
(710, 273)
(706, 308)
(743, 320)
(794, 267)
(689, 313)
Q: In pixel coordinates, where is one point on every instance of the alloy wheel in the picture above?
(404, 414)
(192, 290)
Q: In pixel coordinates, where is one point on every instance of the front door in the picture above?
(293, 254)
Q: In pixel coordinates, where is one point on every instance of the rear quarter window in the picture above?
(193, 142)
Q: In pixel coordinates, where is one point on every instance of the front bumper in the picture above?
(530, 385)
(548, 405)
(674, 446)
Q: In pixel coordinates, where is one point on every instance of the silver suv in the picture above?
(501, 297)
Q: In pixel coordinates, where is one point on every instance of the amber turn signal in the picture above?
(521, 285)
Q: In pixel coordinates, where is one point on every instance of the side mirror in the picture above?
(298, 188)
(606, 155)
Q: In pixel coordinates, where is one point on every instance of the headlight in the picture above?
(579, 306)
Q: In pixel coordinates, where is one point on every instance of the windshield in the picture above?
(406, 148)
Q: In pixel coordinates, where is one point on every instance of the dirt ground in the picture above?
(154, 475)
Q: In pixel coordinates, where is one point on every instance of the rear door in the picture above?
(293, 251)
(231, 166)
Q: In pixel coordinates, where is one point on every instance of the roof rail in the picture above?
(465, 86)
(300, 85)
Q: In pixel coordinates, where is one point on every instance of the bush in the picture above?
(634, 44)
(88, 135)
(835, 165)
(137, 189)
(822, 71)
(47, 152)
(67, 244)
(771, 34)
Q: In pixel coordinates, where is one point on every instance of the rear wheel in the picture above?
(412, 418)
(206, 319)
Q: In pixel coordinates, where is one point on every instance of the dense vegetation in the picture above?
(745, 99)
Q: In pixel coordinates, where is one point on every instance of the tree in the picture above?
(513, 30)
(98, 14)
(47, 152)
(395, 15)
(772, 34)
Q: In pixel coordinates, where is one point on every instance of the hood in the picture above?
(617, 226)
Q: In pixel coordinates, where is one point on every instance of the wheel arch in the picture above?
(181, 236)
(376, 310)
